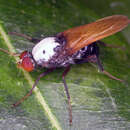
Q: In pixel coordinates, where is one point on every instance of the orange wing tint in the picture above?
(84, 35)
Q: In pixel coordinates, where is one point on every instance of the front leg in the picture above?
(34, 85)
(34, 40)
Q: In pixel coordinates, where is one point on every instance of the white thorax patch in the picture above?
(44, 50)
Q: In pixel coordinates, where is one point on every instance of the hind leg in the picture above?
(110, 45)
(95, 59)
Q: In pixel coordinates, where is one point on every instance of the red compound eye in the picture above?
(26, 62)
(23, 54)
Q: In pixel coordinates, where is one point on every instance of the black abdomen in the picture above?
(84, 53)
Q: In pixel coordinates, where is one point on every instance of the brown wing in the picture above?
(84, 35)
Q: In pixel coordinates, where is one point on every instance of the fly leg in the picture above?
(34, 85)
(67, 93)
(105, 72)
(34, 40)
(110, 45)
(9, 53)
(95, 59)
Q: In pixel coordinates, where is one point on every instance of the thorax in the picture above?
(51, 52)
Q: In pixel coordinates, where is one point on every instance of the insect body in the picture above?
(73, 46)
(64, 48)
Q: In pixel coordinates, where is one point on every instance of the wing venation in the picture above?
(84, 35)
